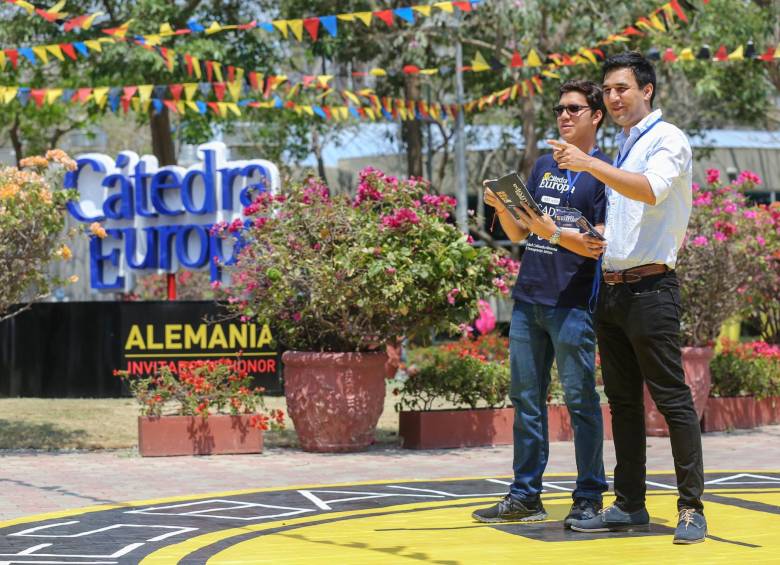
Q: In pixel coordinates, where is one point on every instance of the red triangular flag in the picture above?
(769, 55)
(219, 90)
(128, 90)
(411, 69)
(209, 70)
(48, 16)
(465, 6)
(231, 73)
(13, 54)
(269, 84)
(669, 55)
(126, 104)
(253, 80)
(67, 48)
(567, 60)
(214, 106)
(171, 105)
(631, 30)
(188, 60)
(386, 16)
(312, 25)
(307, 80)
(37, 94)
(517, 60)
(176, 91)
(598, 52)
(326, 109)
(83, 93)
(250, 25)
(679, 11)
(722, 54)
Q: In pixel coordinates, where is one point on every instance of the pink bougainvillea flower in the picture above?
(486, 321)
(700, 241)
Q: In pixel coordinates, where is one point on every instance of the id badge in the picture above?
(566, 218)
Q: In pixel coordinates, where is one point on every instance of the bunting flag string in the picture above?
(277, 92)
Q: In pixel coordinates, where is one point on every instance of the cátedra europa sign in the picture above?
(159, 219)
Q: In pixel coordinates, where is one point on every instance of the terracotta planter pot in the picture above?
(219, 434)
(334, 399)
(436, 429)
(740, 412)
(696, 364)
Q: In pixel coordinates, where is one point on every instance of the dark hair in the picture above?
(592, 93)
(642, 68)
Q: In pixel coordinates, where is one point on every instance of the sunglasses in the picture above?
(572, 109)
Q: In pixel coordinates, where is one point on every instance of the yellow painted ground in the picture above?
(440, 532)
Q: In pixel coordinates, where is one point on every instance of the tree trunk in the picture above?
(412, 132)
(16, 141)
(316, 148)
(162, 137)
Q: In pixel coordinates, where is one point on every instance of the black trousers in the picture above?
(638, 329)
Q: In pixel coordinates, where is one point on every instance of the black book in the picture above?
(512, 191)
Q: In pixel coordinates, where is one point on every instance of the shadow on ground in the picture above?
(26, 435)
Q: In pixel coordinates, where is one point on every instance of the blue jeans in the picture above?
(538, 335)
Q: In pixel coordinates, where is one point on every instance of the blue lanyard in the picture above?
(571, 181)
(622, 158)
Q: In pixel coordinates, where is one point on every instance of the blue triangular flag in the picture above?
(387, 114)
(278, 103)
(330, 23)
(267, 27)
(405, 14)
(81, 48)
(204, 88)
(245, 102)
(158, 105)
(159, 91)
(67, 94)
(23, 94)
(195, 27)
(354, 112)
(29, 54)
(113, 102)
(320, 112)
(202, 107)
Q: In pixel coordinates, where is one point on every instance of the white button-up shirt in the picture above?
(639, 233)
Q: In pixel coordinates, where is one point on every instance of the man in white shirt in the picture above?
(638, 315)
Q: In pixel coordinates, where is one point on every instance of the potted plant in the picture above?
(32, 219)
(340, 277)
(718, 259)
(455, 396)
(206, 408)
(745, 387)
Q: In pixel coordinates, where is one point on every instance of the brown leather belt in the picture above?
(634, 274)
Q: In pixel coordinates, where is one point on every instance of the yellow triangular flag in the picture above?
(181, 107)
(56, 51)
(196, 67)
(687, 54)
(217, 71)
(514, 91)
(90, 20)
(213, 28)
(657, 23)
(10, 93)
(240, 75)
(193, 106)
(52, 94)
(424, 10)
(550, 74)
(222, 106)
(351, 97)
(145, 91)
(281, 25)
(371, 114)
(364, 17)
(344, 111)
(166, 30)
(152, 40)
(94, 45)
(190, 88)
(579, 60)
(738, 54)
(40, 51)
(234, 108)
(57, 8)
(479, 64)
(324, 80)
(2, 59)
(429, 71)
(308, 109)
(297, 28)
(293, 91)
(588, 54)
(136, 105)
(445, 6)
(26, 5)
(235, 90)
(777, 52)
(100, 95)
(532, 59)
(378, 72)
(346, 17)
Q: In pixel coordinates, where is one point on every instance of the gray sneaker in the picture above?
(510, 510)
(582, 509)
(691, 527)
(613, 519)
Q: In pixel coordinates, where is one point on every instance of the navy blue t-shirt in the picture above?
(551, 275)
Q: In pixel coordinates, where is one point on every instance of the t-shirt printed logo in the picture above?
(551, 182)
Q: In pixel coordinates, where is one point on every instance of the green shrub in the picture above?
(746, 369)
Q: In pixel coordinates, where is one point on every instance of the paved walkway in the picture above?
(36, 482)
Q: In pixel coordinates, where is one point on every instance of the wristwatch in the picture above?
(556, 237)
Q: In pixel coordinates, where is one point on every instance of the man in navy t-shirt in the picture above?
(551, 319)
